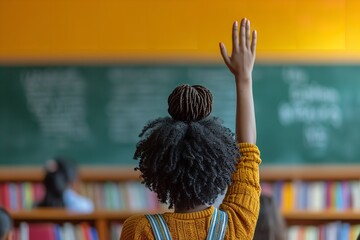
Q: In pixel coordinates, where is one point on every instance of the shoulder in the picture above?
(136, 227)
(138, 219)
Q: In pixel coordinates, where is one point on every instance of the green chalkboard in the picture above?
(305, 114)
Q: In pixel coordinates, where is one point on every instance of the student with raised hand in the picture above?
(6, 225)
(60, 183)
(191, 158)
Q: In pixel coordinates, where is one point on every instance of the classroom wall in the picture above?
(126, 30)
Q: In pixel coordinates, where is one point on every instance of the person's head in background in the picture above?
(270, 224)
(5, 225)
(60, 175)
(188, 159)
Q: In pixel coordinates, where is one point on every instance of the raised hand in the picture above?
(242, 59)
(241, 64)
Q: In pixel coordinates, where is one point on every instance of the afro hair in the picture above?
(187, 163)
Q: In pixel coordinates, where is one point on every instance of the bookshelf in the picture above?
(310, 220)
(102, 219)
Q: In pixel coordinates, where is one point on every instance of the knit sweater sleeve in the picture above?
(242, 199)
(136, 228)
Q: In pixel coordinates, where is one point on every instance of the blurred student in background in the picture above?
(5, 225)
(61, 182)
(270, 224)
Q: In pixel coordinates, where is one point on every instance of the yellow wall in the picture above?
(89, 30)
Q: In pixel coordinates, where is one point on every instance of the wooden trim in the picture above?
(307, 218)
(310, 172)
(100, 173)
(51, 215)
(24, 173)
(108, 174)
(44, 214)
(103, 228)
(267, 173)
(322, 215)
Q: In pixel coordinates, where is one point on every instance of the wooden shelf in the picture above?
(60, 214)
(63, 215)
(87, 173)
(267, 173)
(327, 215)
(310, 172)
(321, 217)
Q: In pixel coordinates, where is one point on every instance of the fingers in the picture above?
(235, 37)
(224, 54)
(242, 34)
(253, 43)
(247, 33)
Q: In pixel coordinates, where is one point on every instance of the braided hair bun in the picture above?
(190, 103)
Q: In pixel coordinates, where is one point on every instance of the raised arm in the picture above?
(241, 63)
(241, 201)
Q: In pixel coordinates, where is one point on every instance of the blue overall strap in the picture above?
(159, 226)
(218, 225)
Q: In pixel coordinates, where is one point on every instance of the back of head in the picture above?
(187, 159)
(190, 103)
(5, 223)
(270, 225)
(59, 174)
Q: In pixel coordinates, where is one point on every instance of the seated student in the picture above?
(60, 182)
(191, 158)
(5, 225)
(270, 224)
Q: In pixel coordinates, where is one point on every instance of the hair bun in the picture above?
(190, 103)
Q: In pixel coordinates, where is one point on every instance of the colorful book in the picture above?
(339, 197)
(278, 190)
(24, 231)
(287, 200)
(58, 232)
(79, 233)
(86, 230)
(41, 231)
(13, 196)
(99, 195)
(311, 233)
(318, 196)
(94, 234)
(38, 192)
(293, 233)
(355, 195)
(328, 202)
(116, 229)
(27, 195)
(69, 231)
(122, 196)
(108, 200)
(345, 231)
(5, 195)
(20, 195)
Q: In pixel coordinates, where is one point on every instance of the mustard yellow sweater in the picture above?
(241, 203)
